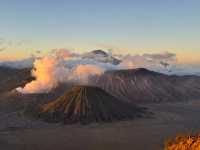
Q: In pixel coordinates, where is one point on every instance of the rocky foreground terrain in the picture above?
(176, 112)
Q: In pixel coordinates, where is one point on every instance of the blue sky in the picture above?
(133, 26)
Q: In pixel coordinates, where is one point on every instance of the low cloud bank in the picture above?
(62, 65)
(148, 60)
(19, 64)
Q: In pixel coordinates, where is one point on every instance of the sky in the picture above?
(125, 26)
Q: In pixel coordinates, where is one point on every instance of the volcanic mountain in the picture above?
(85, 104)
(101, 56)
(142, 85)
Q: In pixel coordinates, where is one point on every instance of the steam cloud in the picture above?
(52, 70)
(48, 72)
(62, 66)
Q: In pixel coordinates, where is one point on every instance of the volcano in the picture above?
(142, 85)
(86, 104)
(102, 56)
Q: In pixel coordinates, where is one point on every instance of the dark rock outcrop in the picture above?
(11, 78)
(102, 56)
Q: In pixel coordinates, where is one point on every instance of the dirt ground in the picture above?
(18, 133)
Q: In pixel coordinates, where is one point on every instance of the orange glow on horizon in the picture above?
(183, 56)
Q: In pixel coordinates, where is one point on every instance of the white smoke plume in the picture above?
(81, 73)
(48, 72)
(52, 70)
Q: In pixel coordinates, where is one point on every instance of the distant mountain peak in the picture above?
(101, 56)
(99, 51)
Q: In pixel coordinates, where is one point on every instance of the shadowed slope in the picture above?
(142, 85)
(86, 104)
(11, 78)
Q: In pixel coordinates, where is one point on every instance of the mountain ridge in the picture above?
(142, 85)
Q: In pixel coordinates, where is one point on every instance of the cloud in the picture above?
(2, 40)
(37, 51)
(2, 49)
(63, 65)
(48, 71)
(185, 69)
(157, 61)
(64, 53)
(101, 56)
(165, 56)
(19, 64)
(52, 70)
(160, 62)
(82, 73)
(21, 42)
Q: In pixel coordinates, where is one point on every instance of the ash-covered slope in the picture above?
(85, 104)
(142, 85)
(11, 78)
